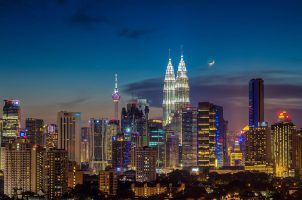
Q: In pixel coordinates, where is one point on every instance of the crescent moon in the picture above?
(211, 63)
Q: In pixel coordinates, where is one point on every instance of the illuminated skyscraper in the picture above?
(55, 173)
(283, 132)
(169, 94)
(85, 132)
(256, 102)
(189, 136)
(120, 153)
(34, 131)
(157, 140)
(134, 122)
(116, 98)
(69, 134)
(11, 119)
(17, 167)
(51, 136)
(172, 149)
(297, 152)
(182, 89)
(258, 145)
(145, 164)
(211, 135)
(100, 143)
(236, 157)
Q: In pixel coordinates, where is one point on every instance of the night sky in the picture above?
(62, 55)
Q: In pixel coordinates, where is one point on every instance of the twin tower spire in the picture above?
(176, 90)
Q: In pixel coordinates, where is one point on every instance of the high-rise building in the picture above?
(258, 145)
(17, 171)
(282, 133)
(69, 134)
(134, 122)
(211, 135)
(297, 152)
(182, 89)
(2, 147)
(145, 164)
(120, 153)
(220, 136)
(169, 94)
(112, 130)
(85, 132)
(256, 102)
(189, 136)
(108, 182)
(116, 98)
(172, 149)
(11, 120)
(34, 131)
(37, 169)
(51, 132)
(98, 144)
(236, 157)
(56, 168)
(157, 140)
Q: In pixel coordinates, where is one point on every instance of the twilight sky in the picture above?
(62, 54)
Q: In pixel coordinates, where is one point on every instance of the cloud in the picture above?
(134, 33)
(74, 102)
(85, 18)
(231, 92)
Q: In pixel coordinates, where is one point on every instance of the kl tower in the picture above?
(116, 98)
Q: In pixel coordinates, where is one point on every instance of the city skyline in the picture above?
(85, 48)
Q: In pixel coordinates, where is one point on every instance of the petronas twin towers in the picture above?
(176, 90)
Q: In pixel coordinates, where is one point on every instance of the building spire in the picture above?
(182, 51)
(182, 70)
(115, 81)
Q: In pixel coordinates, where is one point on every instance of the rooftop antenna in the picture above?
(182, 50)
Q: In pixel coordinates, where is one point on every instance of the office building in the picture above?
(189, 136)
(56, 168)
(282, 133)
(220, 136)
(256, 102)
(172, 149)
(211, 135)
(98, 144)
(69, 134)
(85, 132)
(145, 164)
(169, 94)
(112, 130)
(182, 89)
(51, 132)
(157, 140)
(35, 131)
(236, 156)
(120, 153)
(258, 145)
(134, 120)
(297, 152)
(11, 120)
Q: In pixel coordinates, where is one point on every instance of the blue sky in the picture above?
(62, 54)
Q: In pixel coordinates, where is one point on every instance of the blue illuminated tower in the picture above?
(256, 102)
